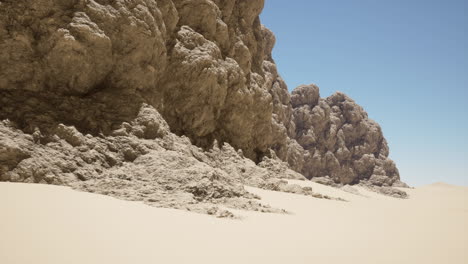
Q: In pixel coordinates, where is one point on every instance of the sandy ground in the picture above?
(50, 224)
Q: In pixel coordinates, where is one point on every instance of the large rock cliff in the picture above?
(92, 89)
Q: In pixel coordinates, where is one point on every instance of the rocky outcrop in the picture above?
(111, 95)
(339, 140)
(208, 72)
(140, 161)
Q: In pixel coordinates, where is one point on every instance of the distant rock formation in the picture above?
(94, 90)
(339, 140)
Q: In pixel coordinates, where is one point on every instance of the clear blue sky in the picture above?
(404, 61)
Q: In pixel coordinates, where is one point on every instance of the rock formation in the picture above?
(140, 161)
(339, 140)
(136, 95)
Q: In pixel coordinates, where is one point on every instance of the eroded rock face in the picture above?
(205, 65)
(75, 47)
(339, 139)
(140, 161)
(108, 95)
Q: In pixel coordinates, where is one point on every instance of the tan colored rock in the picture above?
(305, 95)
(341, 140)
(177, 103)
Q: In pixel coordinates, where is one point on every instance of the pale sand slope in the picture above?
(49, 224)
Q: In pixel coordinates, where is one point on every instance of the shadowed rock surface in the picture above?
(173, 102)
(140, 161)
(339, 140)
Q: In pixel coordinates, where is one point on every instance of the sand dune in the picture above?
(50, 224)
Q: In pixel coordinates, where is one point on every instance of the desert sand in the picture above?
(52, 224)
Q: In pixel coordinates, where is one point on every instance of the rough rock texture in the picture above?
(339, 140)
(167, 99)
(142, 161)
(205, 65)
